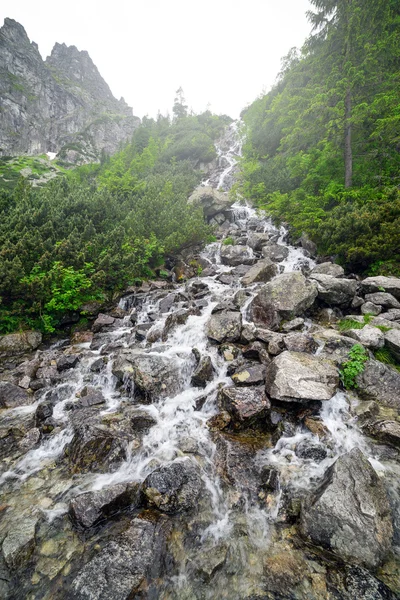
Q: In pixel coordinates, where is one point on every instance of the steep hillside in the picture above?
(60, 105)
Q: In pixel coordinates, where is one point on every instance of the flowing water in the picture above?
(229, 536)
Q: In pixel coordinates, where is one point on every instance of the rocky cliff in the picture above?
(58, 105)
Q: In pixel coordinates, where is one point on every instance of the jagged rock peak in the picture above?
(59, 105)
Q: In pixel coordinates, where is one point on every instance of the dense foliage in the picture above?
(322, 148)
(90, 233)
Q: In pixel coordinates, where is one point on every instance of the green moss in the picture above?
(228, 241)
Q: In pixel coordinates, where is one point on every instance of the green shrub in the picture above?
(358, 356)
(228, 241)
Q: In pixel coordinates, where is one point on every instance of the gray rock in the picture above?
(29, 440)
(350, 514)
(67, 362)
(236, 255)
(18, 343)
(393, 314)
(57, 103)
(246, 406)
(102, 322)
(12, 395)
(203, 373)
(141, 420)
(298, 377)
(384, 430)
(225, 326)
(383, 299)
(300, 342)
(211, 200)
(19, 543)
(95, 447)
(308, 245)
(286, 297)
(368, 308)
(310, 450)
(123, 565)
(328, 268)
(175, 487)
(91, 396)
(149, 375)
(392, 341)
(257, 351)
(370, 337)
(250, 375)
(335, 291)
(293, 324)
(257, 240)
(275, 252)
(262, 271)
(379, 382)
(89, 507)
(382, 284)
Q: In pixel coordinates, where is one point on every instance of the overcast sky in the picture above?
(222, 52)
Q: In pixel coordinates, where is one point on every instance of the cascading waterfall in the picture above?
(230, 520)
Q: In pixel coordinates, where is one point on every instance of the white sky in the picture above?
(222, 52)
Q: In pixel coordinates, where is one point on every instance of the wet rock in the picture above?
(236, 255)
(248, 333)
(275, 252)
(89, 507)
(269, 479)
(317, 427)
(293, 324)
(384, 430)
(383, 299)
(229, 352)
(18, 343)
(67, 362)
(257, 240)
(102, 322)
(262, 271)
(308, 245)
(379, 382)
(152, 375)
(311, 451)
(349, 513)
(166, 303)
(300, 342)
(12, 395)
(246, 406)
(211, 200)
(328, 268)
(141, 420)
(225, 278)
(356, 583)
(98, 364)
(123, 566)
(203, 373)
(225, 326)
(44, 411)
(298, 377)
(179, 317)
(370, 337)
(220, 421)
(142, 330)
(257, 351)
(208, 561)
(223, 306)
(90, 396)
(81, 337)
(30, 440)
(368, 308)
(381, 283)
(174, 488)
(19, 543)
(335, 291)
(95, 447)
(392, 341)
(254, 375)
(285, 297)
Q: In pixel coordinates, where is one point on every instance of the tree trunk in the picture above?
(348, 154)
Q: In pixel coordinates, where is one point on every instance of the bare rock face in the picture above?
(59, 105)
(211, 201)
(263, 270)
(299, 377)
(335, 291)
(286, 297)
(89, 507)
(350, 514)
(390, 285)
(236, 255)
(174, 488)
(123, 565)
(246, 406)
(225, 326)
(18, 343)
(328, 268)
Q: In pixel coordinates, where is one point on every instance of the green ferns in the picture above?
(358, 356)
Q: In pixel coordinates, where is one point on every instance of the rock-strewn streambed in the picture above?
(198, 443)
